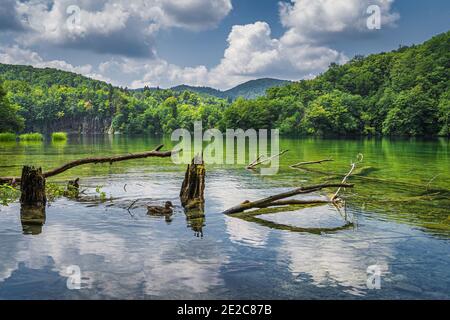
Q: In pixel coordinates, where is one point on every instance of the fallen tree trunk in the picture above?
(304, 163)
(302, 190)
(75, 163)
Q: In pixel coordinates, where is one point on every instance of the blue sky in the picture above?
(217, 43)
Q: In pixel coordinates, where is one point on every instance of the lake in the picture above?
(399, 208)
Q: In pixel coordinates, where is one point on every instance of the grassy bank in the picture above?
(34, 136)
(7, 136)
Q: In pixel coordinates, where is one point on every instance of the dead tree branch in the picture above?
(310, 162)
(263, 202)
(255, 161)
(258, 160)
(154, 153)
(353, 166)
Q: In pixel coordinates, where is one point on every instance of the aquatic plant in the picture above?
(101, 193)
(8, 194)
(59, 136)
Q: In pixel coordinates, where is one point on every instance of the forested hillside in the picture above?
(53, 100)
(404, 92)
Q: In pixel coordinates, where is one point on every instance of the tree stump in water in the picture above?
(73, 188)
(32, 200)
(32, 188)
(192, 189)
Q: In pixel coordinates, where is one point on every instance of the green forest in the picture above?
(405, 92)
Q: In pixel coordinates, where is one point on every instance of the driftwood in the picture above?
(154, 153)
(304, 163)
(258, 160)
(193, 187)
(270, 200)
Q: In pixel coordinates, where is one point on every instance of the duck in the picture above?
(160, 210)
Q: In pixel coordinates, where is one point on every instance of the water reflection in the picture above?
(196, 222)
(248, 233)
(32, 220)
(128, 262)
(330, 261)
(134, 256)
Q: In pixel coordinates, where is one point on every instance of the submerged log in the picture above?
(154, 153)
(193, 187)
(32, 200)
(272, 199)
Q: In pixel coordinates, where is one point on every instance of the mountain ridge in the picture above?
(248, 90)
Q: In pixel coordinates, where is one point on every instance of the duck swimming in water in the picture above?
(160, 210)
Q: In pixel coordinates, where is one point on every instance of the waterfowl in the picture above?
(160, 210)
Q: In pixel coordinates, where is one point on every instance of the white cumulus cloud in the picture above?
(313, 21)
(120, 27)
(128, 29)
(251, 53)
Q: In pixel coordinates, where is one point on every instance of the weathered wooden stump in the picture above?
(73, 188)
(193, 187)
(32, 200)
(32, 188)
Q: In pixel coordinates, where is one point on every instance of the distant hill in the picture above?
(47, 76)
(200, 90)
(248, 90)
(254, 88)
